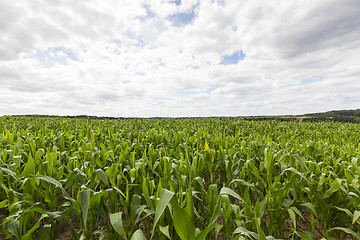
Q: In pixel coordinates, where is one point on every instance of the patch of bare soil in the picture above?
(3, 213)
(65, 232)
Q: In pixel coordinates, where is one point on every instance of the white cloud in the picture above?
(129, 58)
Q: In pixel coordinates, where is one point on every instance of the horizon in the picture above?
(183, 58)
(151, 117)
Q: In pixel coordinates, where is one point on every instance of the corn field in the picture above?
(214, 178)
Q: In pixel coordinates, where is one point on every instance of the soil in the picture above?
(65, 232)
(3, 212)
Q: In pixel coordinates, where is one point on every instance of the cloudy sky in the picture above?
(179, 57)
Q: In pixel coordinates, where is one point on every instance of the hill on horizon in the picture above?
(336, 113)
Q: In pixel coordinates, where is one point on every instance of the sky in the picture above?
(179, 58)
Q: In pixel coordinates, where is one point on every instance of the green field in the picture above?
(178, 179)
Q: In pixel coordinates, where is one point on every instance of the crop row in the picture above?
(178, 179)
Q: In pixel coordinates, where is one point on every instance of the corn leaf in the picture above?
(117, 224)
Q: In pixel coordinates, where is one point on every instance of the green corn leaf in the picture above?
(246, 232)
(17, 160)
(259, 230)
(243, 182)
(145, 192)
(202, 235)
(117, 224)
(296, 172)
(183, 222)
(270, 238)
(4, 203)
(311, 207)
(333, 188)
(84, 205)
(136, 200)
(347, 230)
(228, 191)
(55, 183)
(345, 210)
(120, 192)
(39, 154)
(259, 209)
(297, 212)
(356, 216)
(268, 160)
(304, 236)
(95, 200)
(165, 231)
(216, 212)
(44, 232)
(102, 176)
(206, 146)
(218, 228)
(29, 168)
(299, 159)
(292, 216)
(50, 180)
(14, 228)
(70, 180)
(189, 201)
(83, 236)
(10, 173)
(28, 235)
(138, 235)
(57, 214)
(164, 200)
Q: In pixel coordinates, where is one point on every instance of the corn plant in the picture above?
(214, 178)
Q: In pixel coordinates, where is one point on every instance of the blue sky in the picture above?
(182, 18)
(54, 55)
(177, 2)
(311, 80)
(179, 58)
(233, 58)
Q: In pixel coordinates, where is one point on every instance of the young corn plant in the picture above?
(215, 178)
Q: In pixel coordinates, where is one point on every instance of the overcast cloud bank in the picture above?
(179, 58)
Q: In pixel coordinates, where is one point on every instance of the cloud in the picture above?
(179, 58)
